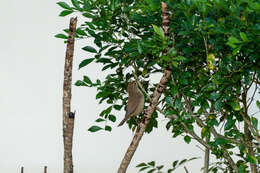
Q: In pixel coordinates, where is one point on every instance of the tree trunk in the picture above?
(68, 117)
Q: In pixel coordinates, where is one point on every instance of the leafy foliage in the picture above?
(214, 49)
(151, 166)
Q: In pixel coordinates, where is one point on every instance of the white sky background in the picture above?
(31, 76)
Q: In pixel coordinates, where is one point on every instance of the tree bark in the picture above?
(68, 121)
(149, 111)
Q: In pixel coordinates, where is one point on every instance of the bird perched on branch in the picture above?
(135, 104)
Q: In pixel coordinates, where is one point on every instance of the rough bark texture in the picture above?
(149, 111)
(166, 22)
(68, 122)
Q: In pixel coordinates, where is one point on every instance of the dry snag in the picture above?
(149, 111)
(68, 119)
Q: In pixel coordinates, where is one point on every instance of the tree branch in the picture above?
(147, 116)
(213, 131)
(206, 158)
(149, 111)
(248, 136)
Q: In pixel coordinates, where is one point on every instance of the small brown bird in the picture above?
(135, 103)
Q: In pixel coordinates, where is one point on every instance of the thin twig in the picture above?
(186, 170)
(252, 98)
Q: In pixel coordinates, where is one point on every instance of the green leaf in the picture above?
(214, 95)
(152, 163)
(87, 80)
(175, 64)
(160, 167)
(94, 128)
(218, 105)
(204, 132)
(242, 148)
(112, 118)
(251, 159)
(100, 120)
(193, 158)
(80, 83)
(141, 165)
(258, 104)
(174, 163)
(65, 12)
(143, 168)
(85, 62)
(221, 141)
(235, 106)
(87, 5)
(241, 168)
(243, 36)
(108, 128)
(89, 49)
(173, 52)
(80, 32)
(169, 101)
(63, 36)
(64, 5)
(187, 139)
(159, 31)
(183, 161)
(174, 90)
(233, 40)
(179, 58)
(229, 124)
(170, 170)
(152, 170)
(254, 122)
(118, 107)
(75, 4)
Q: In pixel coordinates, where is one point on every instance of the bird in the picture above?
(135, 104)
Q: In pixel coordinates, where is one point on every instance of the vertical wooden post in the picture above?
(45, 169)
(22, 169)
(68, 116)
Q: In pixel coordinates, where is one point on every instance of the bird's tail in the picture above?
(122, 122)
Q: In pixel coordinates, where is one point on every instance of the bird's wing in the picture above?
(131, 106)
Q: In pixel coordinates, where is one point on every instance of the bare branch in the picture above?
(186, 170)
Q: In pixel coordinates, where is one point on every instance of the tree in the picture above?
(213, 49)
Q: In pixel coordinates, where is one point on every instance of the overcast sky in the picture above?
(31, 76)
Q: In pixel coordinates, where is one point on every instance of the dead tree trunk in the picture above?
(68, 116)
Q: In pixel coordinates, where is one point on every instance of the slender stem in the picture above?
(206, 158)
